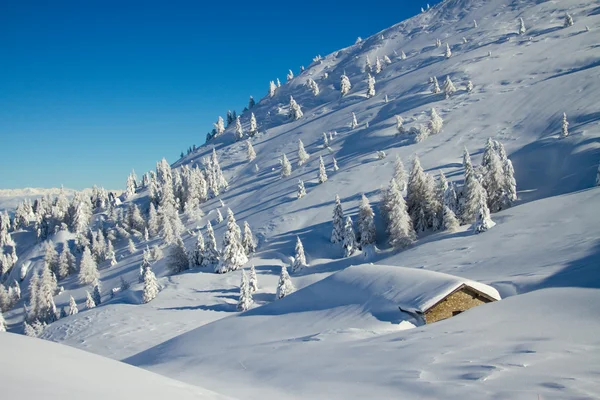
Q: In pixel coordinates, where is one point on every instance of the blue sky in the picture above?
(91, 89)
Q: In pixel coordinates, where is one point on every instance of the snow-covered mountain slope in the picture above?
(34, 369)
(335, 341)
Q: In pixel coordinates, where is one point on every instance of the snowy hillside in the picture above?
(341, 334)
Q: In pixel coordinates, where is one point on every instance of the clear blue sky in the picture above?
(90, 89)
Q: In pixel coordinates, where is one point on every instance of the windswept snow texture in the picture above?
(36, 369)
(341, 335)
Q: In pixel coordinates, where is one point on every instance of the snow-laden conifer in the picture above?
(239, 131)
(295, 111)
(284, 286)
(449, 221)
(565, 126)
(349, 244)
(370, 86)
(378, 66)
(313, 86)
(354, 122)
(251, 152)
(509, 184)
(96, 294)
(368, 66)
(335, 165)
(421, 199)
(438, 43)
(66, 263)
(234, 255)
(153, 221)
(219, 217)
(436, 86)
(245, 300)
(400, 173)
(300, 257)
(253, 125)
(2, 323)
(131, 247)
(89, 301)
(290, 75)
(399, 225)
(436, 122)
(337, 233)
(449, 88)
(399, 124)
(178, 260)
(325, 140)
(483, 221)
(322, 172)
(219, 126)
(151, 287)
(469, 86)
(301, 192)
(366, 222)
(568, 20)
(494, 182)
(522, 28)
(88, 269)
(248, 242)
(387, 60)
(197, 255)
(448, 52)
(211, 256)
(272, 89)
(72, 306)
(345, 85)
(286, 166)
(253, 280)
(303, 156)
(403, 55)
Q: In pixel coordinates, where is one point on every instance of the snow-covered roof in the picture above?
(412, 289)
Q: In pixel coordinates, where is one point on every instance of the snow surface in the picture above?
(342, 338)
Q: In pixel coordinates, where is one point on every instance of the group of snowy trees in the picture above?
(343, 229)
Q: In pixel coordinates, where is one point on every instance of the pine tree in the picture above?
(89, 301)
(449, 88)
(510, 184)
(295, 111)
(219, 218)
(436, 122)
(436, 86)
(178, 258)
(290, 75)
(565, 126)
(322, 172)
(253, 280)
(245, 300)
(88, 269)
(251, 152)
(366, 223)
(399, 124)
(399, 225)
(494, 182)
(51, 257)
(239, 131)
(568, 20)
(286, 166)
(234, 255)
(131, 185)
(387, 60)
(251, 104)
(314, 87)
(354, 123)
(34, 301)
(300, 258)
(325, 140)
(349, 238)
(72, 306)
(345, 85)
(272, 89)
(378, 66)
(438, 43)
(219, 126)
(301, 190)
(522, 29)
(151, 287)
(65, 262)
(248, 242)
(278, 83)
(368, 66)
(335, 165)
(96, 294)
(370, 86)
(337, 234)
(399, 173)
(403, 55)
(285, 286)
(303, 156)
(212, 254)
(2, 323)
(469, 86)
(421, 200)
(483, 222)
(131, 247)
(153, 222)
(448, 52)
(253, 125)
(197, 256)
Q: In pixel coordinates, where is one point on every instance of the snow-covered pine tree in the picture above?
(368, 66)
(239, 131)
(448, 52)
(272, 89)
(335, 165)
(151, 287)
(436, 86)
(72, 306)
(284, 286)
(251, 152)
(469, 86)
(234, 255)
(131, 185)
(436, 122)
(568, 20)
(278, 83)
(399, 225)
(300, 257)
(345, 85)
(509, 184)
(449, 221)
(295, 111)
(366, 223)
(494, 182)
(325, 140)
(51, 257)
(322, 172)
(483, 221)
(337, 234)
(449, 88)
(565, 126)
(290, 75)
(219, 126)
(399, 173)
(245, 300)
(403, 55)
(89, 301)
(96, 294)
(354, 122)
(522, 28)
(349, 244)
(286, 166)
(301, 189)
(88, 269)
(370, 86)
(153, 221)
(421, 200)
(313, 86)
(378, 66)
(248, 242)
(212, 253)
(438, 43)
(178, 258)
(219, 217)
(387, 60)
(253, 280)
(197, 256)
(399, 124)
(2, 323)
(303, 156)
(253, 125)
(65, 263)
(131, 246)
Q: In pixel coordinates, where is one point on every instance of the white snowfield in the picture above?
(341, 334)
(36, 369)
